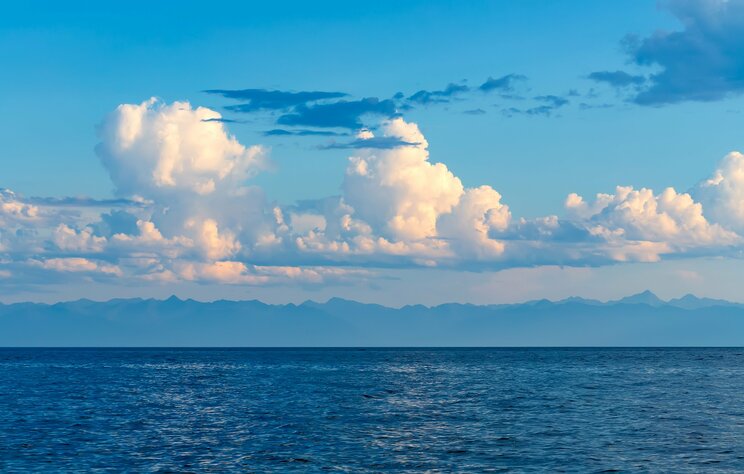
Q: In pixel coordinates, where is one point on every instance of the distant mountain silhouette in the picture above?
(647, 298)
(693, 302)
(637, 320)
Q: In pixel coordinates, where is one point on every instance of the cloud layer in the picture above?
(186, 211)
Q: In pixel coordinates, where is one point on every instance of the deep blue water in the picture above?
(374, 410)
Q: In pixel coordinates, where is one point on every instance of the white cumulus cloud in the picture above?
(192, 214)
(722, 195)
(399, 191)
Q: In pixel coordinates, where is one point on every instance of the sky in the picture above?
(389, 152)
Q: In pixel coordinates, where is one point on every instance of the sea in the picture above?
(372, 410)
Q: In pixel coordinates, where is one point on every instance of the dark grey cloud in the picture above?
(550, 103)
(515, 97)
(385, 143)
(265, 99)
(552, 100)
(279, 132)
(617, 78)
(82, 202)
(545, 110)
(340, 114)
(319, 109)
(437, 97)
(586, 106)
(503, 83)
(223, 120)
(704, 61)
(478, 111)
(68, 201)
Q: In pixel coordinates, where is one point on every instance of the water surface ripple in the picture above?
(371, 410)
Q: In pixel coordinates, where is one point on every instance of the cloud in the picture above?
(585, 106)
(151, 149)
(381, 143)
(437, 97)
(69, 239)
(410, 192)
(187, 211)
(341, 114)
(13, 209)
(397, 203)
(504, 83)
(334, 110)
(477, 111)
(75, 265)
(641, 215)
(238, 273)
(478, 214)
(399, 208)
(193, 171)
(280, 132)
(703, 61)
(617, 78)
(264, 99)
(551, 103)
(722, 195)
(72, 201)
(222, 120)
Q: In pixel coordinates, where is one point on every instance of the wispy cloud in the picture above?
(265, 99)
(504, 83)
(617, 78)
(340, 114)
(280, 132)
(73, 201)
(549, 104)
(222, 120)
(319, 109)
(552, 100)
(380, 143)
(425, 97)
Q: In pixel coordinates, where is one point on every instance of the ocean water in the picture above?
(373, 410)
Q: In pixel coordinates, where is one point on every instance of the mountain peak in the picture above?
(646, 297)
(339, 300)
(690, 301)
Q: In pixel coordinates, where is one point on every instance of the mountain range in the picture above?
(637, 320)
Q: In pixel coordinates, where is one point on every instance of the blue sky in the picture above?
(659, 113)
